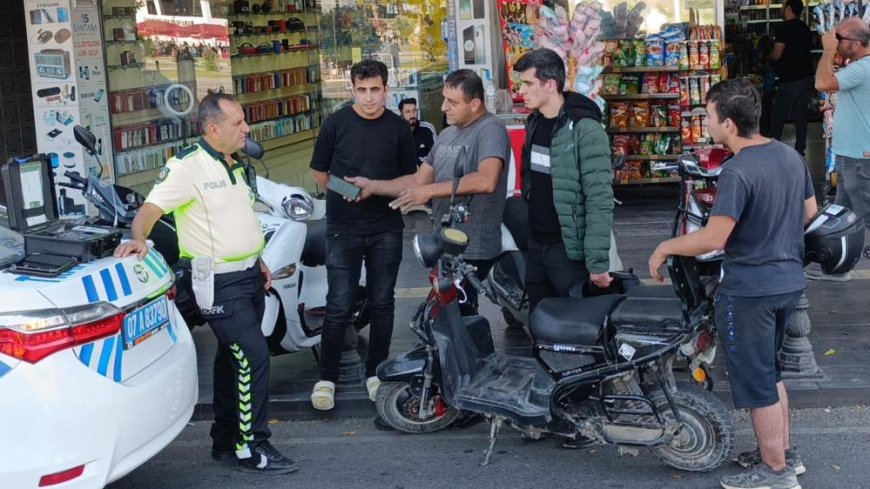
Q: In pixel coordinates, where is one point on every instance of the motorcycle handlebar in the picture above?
(75, 177)
(69, 185)
(476, 283)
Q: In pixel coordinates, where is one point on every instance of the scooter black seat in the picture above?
(314, 250)
(650, 308)
(570, 320)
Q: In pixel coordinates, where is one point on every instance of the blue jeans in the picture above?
(345, 254)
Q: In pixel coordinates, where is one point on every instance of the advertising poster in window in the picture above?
(91, 73)
(58, 32)
(473, 35)
(517, 19)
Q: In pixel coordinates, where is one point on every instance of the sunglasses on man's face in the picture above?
(841, 38)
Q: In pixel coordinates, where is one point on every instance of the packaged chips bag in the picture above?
(674, 115)
(663, 144)
(659, 115)
(630, 84)
(610, 85)
(650, 83)
(639, 52)
(655, 55)
(640, 114)
(619, 114)
(672, 54)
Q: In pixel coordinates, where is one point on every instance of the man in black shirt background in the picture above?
(791, 57)
(362, 140)
(423, 132)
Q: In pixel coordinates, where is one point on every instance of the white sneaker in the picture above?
(372, 385)
(323, 395)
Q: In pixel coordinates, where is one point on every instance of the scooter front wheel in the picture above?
(706, 438)
(399, 407)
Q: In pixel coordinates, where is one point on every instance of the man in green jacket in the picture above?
(566, 179)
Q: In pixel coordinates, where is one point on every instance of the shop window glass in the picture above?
(405, 35)
(162, 57)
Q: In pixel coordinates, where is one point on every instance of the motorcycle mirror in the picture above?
(689, 166)
(85, 138)
(253, 149)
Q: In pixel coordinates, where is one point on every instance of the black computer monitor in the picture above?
(29, 187)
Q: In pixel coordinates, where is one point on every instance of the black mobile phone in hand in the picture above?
(345, 189)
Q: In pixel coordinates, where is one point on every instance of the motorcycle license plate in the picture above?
(145, 322)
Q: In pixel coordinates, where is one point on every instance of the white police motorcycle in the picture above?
(294, 225)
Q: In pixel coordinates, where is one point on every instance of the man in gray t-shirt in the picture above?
(483, 139)
(487, 150)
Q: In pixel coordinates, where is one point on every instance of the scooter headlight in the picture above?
(427, 250)
(297, 207)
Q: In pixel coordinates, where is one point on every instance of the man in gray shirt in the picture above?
(487, 149)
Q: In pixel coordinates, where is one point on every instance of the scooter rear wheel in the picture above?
(399, 407)
(706, 438)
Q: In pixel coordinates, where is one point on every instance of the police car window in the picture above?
(11, 243)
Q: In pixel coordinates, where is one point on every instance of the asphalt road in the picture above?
(350, 453)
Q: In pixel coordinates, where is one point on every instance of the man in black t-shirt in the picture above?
(362, 140)
(791, 57)
(423, 132)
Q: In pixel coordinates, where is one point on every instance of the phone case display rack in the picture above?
(655, 91)
(146, 127)
(276, 69)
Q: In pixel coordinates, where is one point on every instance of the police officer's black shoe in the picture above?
(265, 459)
(578, 443)
(222, 455)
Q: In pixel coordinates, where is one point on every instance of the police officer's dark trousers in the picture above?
(241, 366)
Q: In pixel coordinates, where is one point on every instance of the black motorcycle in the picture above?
(602, 366)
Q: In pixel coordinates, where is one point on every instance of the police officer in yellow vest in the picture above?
(219, 234)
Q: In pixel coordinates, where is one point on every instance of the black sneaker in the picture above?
(223, 455)
(466, 420)
(578, 443)
(793, 459)
(265, 459)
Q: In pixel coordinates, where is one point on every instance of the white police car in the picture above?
(97, 370)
